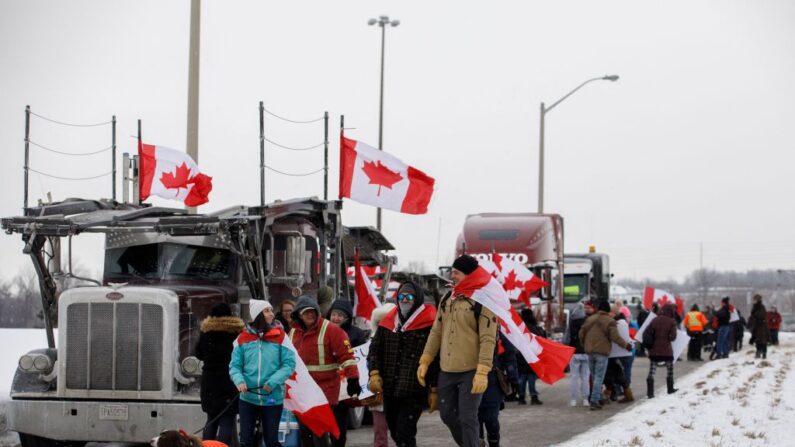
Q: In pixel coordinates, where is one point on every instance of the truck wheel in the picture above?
(355, 417)
(27, 440)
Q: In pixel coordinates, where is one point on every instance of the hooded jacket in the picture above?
(598, 331)
(324, 348)
(259, 360)
(572, 335)
(396, 349)
(758, 324)
(355, 335)
(664, 330)
(215, 350)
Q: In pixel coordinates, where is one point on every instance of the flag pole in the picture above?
(342, 134)
(136, 165)
(261, 153)
(325, 156)
(113, 158)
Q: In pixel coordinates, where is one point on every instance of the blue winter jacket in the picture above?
(260, 360)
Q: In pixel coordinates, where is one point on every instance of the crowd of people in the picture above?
(448, 356)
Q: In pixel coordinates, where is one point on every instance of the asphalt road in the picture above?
(542, 425)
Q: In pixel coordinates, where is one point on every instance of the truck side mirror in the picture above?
(296, 252)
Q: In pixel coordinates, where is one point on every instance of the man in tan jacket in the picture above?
(597, 334)
(464, 337)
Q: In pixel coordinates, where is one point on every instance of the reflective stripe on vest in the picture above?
(321, 351)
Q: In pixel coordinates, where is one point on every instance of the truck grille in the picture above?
(99, 358)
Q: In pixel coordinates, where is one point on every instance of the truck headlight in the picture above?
(26, 362)
(191, 366)
(42, 364)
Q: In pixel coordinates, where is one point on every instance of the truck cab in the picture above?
(577, 280)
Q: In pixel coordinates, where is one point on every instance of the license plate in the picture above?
(113, 412)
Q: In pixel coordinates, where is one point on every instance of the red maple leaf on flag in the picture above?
(180, 179)
(380, 175)
(497, 259)
(511, 282)
(287, 385)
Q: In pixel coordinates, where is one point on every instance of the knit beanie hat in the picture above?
(465, 264)
(604, 306)
(255, 307)
(221, 310)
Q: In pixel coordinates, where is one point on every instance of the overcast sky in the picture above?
(693, 145)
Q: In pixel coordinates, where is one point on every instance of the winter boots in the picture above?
(649, 387)
(628, 397)
(534, 400)
(670, 382)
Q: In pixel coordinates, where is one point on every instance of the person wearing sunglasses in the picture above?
(393, 361)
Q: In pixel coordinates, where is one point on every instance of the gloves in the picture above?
(433, 401)
(425, 361)
(481, 379)
(376, 384)
(353, 386)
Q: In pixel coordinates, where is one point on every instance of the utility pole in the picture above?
(192, 144)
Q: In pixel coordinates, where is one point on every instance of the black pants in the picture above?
(694, 347)
(489, 411)
(269, 423)
(774, 336)
(458, 407)
(761, 350)
(222, 428)
(402, 415)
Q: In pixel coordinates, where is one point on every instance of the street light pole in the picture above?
(544, 111)
(382, 21)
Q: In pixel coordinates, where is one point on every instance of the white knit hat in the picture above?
(255, 307)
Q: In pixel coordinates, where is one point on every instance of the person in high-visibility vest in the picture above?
(694, 323)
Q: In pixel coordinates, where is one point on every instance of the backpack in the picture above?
(648, 339)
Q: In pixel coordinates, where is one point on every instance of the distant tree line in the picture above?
(20, 303)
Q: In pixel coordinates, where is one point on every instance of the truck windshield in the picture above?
(169, 261)
(575, 288)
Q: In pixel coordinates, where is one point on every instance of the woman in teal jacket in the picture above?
(259, 367)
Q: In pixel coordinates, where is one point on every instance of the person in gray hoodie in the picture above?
(578, 366)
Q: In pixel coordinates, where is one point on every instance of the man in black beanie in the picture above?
(464, 338)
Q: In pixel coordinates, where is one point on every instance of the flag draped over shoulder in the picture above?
(547, 358)
(374, 177)
(171, 174)
(306, 400)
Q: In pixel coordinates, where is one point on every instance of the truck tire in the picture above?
(355, 417)
(27, 440)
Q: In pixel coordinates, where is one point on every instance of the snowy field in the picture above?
(739, 401)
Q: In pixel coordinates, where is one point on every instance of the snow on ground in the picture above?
(739, 401)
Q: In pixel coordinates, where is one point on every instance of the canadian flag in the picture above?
(366, 297)
(376, 178)
(171, 174)
(517, 280)
(547, 358)
(661, 297)
(306, 400)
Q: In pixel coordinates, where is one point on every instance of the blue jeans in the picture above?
(626, 362)
(268, 416)
(580, 376)
(724, 333)
(597, 363)
(527, 381)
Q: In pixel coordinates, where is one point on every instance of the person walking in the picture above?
(527, 378)
(341, 314)
(723, 318)
(259, 367)
(393, 360)
(694, 323)
(596, 334)
(217, 392)
(463, 336)
(325, 349)
(662, 330)
(580, 374)
(774, 324)
(643, 313)
(738, 331)
(380, 426)
(503, 373)
(760, 331)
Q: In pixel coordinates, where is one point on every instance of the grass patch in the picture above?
(687, 426)
(700, 385)
(656, 435)
(736, 421)
(713, 374)
(649, 423)
(635, 441)
(754, 435)
(764, 364)
(715, 431)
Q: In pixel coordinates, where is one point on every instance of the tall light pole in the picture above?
(544, 111)
(192, 141)
(381, 21)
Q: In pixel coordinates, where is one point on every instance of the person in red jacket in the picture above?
(309, 332)
(774, 323)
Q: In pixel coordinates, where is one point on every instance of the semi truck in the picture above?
(122, 365)
(587, 275)
(535, 240)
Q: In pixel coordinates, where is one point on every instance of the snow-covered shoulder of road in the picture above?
(739, 401)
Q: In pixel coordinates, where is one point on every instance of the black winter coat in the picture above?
(355, 335)
(215, 349)
(757, 323)
(663, 328)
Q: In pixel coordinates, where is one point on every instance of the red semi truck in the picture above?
(535, 240)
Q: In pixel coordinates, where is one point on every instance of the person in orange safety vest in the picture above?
(694, 323)
(325, 349)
